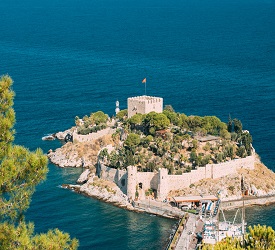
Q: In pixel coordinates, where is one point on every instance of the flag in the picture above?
(144, 80)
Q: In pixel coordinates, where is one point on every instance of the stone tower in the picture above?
(162, 183)
(144, 105)
(131, 181)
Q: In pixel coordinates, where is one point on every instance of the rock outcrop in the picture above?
(102, 190)
(78, 153)
(83, 177)
(61, 135)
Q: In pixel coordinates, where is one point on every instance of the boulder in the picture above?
(83, 177)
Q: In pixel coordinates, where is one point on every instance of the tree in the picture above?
(193, 157)
(156, 120)
(172, 116)
(122, 114)
(129, 158)
(220, 157)
(104, 154)
(238, 127)
(246, 140)
(135, 120)
(194, 122)
(169, 108)
(213, 125)
(259, 237)
(20, 172)
(99, 117)
(114, 161)
(77, 121)
(229, 151)
(195, 143)
(132, 141)
(183, 121)
(241, 152)
(225, 134)
(230, 125)
(22, 237)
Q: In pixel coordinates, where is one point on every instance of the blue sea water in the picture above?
(75, 57)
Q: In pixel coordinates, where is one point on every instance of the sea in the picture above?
(73, 57)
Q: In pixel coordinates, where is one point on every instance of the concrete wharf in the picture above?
(158, 208)
(188, 239)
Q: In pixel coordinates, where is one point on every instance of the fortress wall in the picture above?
(110, 174)
(92, 136)
(183, 181)
(230, 167)
(121, 180)
(163, 183)
(212, 171)
(135, 106)
(147, 179)
(175, 182)
(154, 105)
(223, 169)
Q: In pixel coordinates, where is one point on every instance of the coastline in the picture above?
(108, 192)
(264, 200)
(104, 188)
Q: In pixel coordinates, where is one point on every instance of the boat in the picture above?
(215, 230)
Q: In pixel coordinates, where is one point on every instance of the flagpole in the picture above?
(144, 81)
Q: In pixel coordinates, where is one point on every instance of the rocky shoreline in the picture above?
(92, 186)
(118, 199)
(85, 154)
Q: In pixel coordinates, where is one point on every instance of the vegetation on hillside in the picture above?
(176, 141)
(93, 123)
(20, 172)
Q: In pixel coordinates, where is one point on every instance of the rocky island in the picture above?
(150, 154)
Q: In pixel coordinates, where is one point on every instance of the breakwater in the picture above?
(158, 208)
(248, 201)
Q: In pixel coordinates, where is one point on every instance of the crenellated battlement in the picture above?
(131, 180)
(144, 104)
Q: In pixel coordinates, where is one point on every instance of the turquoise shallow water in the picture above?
(72, 57)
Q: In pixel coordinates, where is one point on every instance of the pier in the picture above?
(158, 208)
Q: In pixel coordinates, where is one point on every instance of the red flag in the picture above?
(144, 80)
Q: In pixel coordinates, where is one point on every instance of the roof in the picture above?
(210, 197)
(187, 198)
(145, 98)
(194, 198)
(207, 138)
(163, 131)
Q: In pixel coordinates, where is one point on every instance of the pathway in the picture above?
(188, 238)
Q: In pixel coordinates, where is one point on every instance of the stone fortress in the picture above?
(144, 105)
(131, 181)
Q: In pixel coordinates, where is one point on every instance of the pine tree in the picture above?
(20, 172)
